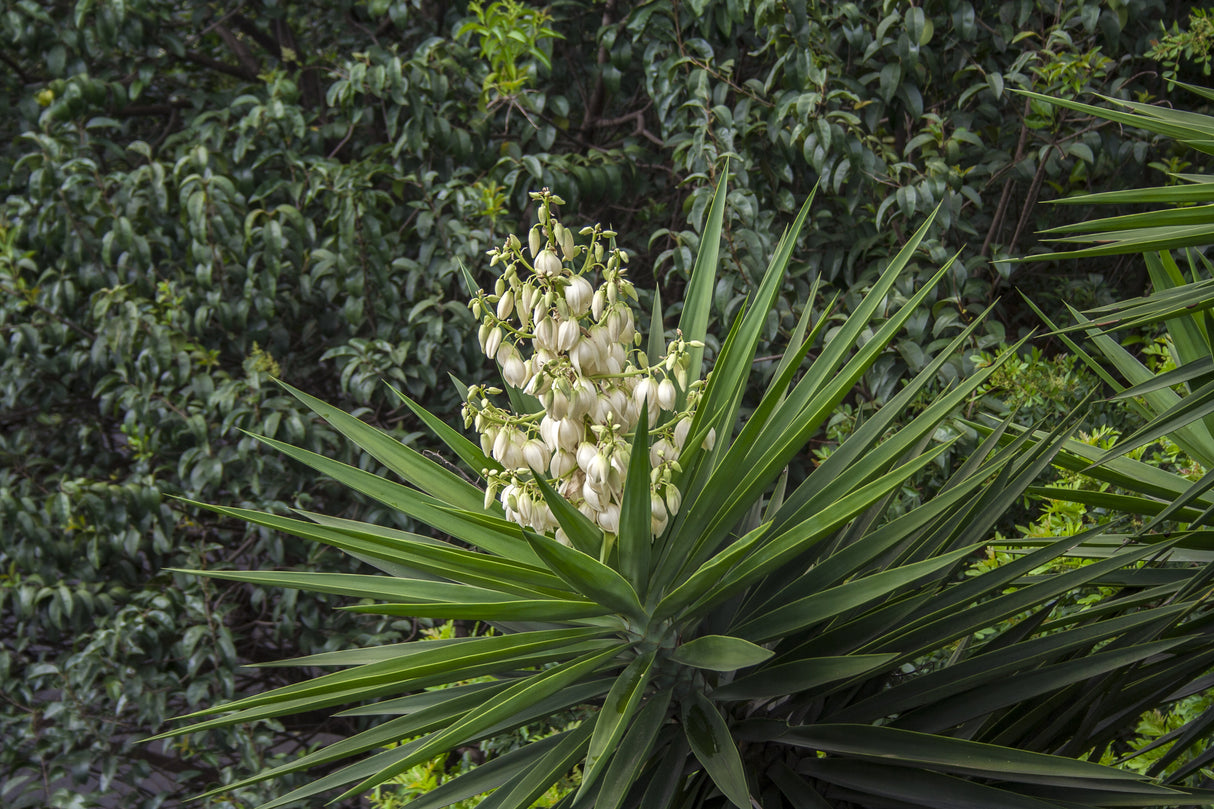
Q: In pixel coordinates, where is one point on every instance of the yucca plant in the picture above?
(737, 637)
(1177, 403)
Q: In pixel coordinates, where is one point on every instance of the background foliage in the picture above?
(200, 195)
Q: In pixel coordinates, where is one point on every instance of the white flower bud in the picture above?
(547, 264)
(674, 499)
(681, 429)
(666, 394)
(493, 342)
(535, 241)
(482, 335)
(505, 304)
(710, 440)
(597, 303)
(568, 246)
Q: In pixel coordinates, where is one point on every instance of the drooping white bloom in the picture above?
(578, 294)
(547, 264)
(514, 371)
(609, 518)
(535, 454)
(562, 464)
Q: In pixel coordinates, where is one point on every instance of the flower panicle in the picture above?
(574, 346)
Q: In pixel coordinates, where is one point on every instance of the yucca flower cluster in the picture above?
(575, 348)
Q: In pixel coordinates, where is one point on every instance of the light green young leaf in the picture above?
(720, 653)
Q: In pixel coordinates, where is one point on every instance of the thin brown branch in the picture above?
(21, 74)
(240, 50)
(51, 314)
(1006, 197)
(222, 67)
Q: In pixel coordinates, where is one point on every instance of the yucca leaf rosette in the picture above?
(733, 636)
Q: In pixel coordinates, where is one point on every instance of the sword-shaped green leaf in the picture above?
(720, 653)
(614, 717)
(588, 576)
(713, 745)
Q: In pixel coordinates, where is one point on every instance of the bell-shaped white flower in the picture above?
(535, 455)
(562, 464)
(593, 496)
(681, 429)
(547, 264)
(570, 435)
(585, 453)
(578, 294)
(514, 370)
(568, 335)
(609, 519)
